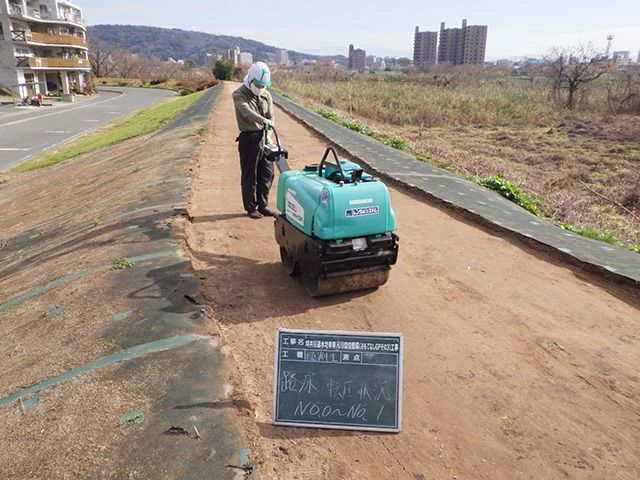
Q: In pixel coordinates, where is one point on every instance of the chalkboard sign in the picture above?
(346, 380)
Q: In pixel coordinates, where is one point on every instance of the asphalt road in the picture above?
(28, 131)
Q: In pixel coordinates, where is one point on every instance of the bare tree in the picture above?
(128, 65)
(623, 92)
(573, 67)
(101, 57)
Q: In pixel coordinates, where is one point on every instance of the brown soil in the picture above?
(515, 366)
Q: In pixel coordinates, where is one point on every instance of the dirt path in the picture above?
(514, 367)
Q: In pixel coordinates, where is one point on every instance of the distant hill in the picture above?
(182, 44)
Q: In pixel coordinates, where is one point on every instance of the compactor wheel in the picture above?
(354, 280)
(310, 283)
(289, 263)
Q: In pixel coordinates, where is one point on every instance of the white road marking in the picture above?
(86, 120)
(66, 109)
(13, 149)
(58, 131)
(115, 113)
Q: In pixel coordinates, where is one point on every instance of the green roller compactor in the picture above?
(335, 225)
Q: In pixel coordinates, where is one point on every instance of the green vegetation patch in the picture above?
(139, 123)
(509, 191)
(121, 263)
(396, 143)
(162, 83)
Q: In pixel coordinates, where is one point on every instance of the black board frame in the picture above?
(365, 335)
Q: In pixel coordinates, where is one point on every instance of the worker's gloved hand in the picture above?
(268, 124)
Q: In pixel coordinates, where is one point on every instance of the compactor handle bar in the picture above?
(264, 136)
(338, 164)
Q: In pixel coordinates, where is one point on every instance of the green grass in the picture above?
(203, 132)
(607, 237)
(171, 84)
(139, 123)
(284, 94)
(396, 143)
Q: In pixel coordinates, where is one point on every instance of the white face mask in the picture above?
(257, 91)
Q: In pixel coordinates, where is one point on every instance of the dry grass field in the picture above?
(582, 167)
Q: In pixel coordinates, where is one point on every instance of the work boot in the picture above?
(254, 214)
(266, 212)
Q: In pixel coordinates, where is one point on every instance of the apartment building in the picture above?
(357, 59)
(239, 58)
(246, 58)
(43, 47)
(233, 54)
(425, 48)
(463, 46)
(282, 57)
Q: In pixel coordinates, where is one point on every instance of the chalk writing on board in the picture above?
(338, 380)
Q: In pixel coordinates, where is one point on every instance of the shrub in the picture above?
(223, 70)
(187, 91)
(397, 143)
(159, 80)
(198, 84)
(509, 191)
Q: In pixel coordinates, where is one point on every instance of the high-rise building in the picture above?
(425, 48)
(234, 55)
(463, 46)
(282, 57)
(43, 47)
(357, 59)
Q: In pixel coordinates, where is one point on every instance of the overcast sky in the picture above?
(386, 27)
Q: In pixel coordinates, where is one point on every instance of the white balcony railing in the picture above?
(15, 9)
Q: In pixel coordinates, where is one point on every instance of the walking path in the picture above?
(467, 195)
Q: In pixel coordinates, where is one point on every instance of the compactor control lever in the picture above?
(275, 153)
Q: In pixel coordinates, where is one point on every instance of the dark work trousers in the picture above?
(257, 172)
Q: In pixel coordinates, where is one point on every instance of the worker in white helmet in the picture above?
(254, 112)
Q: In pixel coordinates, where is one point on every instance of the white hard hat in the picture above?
(260, 73)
